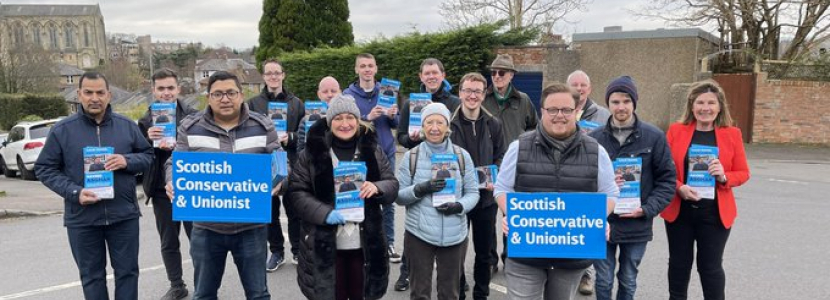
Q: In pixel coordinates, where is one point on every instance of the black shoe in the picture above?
(494, 269)
(274, 262)
(394, 257)
(175, 293)
(466, 286)
(402, 284)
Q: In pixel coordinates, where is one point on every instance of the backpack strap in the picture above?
(460, 157)
(413, 161)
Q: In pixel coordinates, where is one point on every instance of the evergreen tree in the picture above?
(291, 25)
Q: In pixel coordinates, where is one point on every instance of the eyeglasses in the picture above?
(552, 111)
(219, 95)
(270, 74)
(500, 73)
(471, 91)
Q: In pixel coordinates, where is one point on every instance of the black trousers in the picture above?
(275, 237)
(349, 275)
(698, 222)
(482, 220)
(169, 231)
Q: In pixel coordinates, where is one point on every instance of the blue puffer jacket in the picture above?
(60, 166)
(422, 219)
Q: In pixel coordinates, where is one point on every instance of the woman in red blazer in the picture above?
(690, 217)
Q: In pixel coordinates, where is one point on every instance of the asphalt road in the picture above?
(777, 248)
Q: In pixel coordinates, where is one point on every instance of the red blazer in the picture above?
(732, 157)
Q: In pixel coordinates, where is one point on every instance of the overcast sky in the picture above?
(234, 23)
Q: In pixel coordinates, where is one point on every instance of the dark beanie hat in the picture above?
(622, 84)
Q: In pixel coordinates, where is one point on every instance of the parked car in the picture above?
(2, 140)
(22, 147)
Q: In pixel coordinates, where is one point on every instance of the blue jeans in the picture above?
(209, 250)
(631, 254)
(388, 211)
(89, 246)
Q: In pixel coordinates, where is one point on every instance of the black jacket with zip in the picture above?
(489, 149)
(60, 166)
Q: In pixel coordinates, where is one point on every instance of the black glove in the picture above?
(450, 208)
(427, 187)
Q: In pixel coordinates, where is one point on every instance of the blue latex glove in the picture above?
(335, 218)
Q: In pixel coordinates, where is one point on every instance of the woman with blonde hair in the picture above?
(692, 219)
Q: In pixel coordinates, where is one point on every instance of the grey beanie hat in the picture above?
(341, 104)
(433, 109)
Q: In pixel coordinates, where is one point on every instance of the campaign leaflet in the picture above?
(348, 178)
(630, 169)
(314, 110)
(699, 178)
(279, 167)
(587, 126)
(417, 102)
(486, 175)
(96, 178)
(388, 93)
(443, 166)
(164, 116)
(278, 112)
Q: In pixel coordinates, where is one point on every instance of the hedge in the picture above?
(461, 51)
(14, 107)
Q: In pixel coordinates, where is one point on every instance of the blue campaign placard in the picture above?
(556, 225)
(222, 187)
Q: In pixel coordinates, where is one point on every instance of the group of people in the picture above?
(536, 149)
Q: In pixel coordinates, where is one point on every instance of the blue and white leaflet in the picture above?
(96, 178)
(443, 167)
(278, 112)
(587, 126)
(486, 175)
(388, 93)
(698, 170)
(164, 116)
(630, 170)
(556, 225)
(417, 102)
(279, 166)
(315, 110)
(222, 187)
(348, 178)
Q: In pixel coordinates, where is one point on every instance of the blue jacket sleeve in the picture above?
(469, 195)
(49, 170)
(142, 153)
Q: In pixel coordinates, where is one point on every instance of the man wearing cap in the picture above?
(512, 107)
(587, 109)
(626, 136)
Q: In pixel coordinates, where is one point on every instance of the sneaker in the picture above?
(394, 257)
(466, 287)
(295, 260)
(274, 262)
(175, 293)
(402, 284)
(586, 285)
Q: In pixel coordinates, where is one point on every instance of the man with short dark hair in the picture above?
(365, 92)
(98, 228)
(626, 136)
(274, 92)
(165, 90)
(556, 157)
(220, 128)
(476, 130)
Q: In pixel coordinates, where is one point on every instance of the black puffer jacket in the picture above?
(312, 196)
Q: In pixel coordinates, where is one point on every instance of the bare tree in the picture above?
(28, 69)
(752, 24)
(518, 13)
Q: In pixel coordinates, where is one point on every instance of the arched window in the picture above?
(53, 37)
(36, 35)
(19, 35)
(86, 35)
(69, 36)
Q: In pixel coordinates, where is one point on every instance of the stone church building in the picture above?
(74, 32)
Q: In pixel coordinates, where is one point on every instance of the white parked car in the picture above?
(22, 147)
